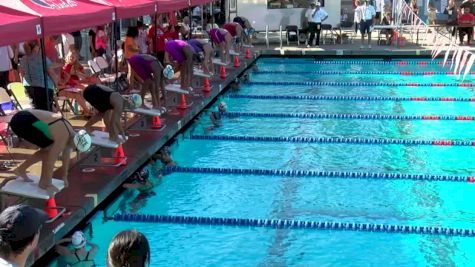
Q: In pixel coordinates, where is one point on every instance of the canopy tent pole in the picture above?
(45, 74)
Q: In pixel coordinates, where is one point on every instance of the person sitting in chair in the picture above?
(466, 22)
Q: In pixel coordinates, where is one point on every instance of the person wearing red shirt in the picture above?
(159, 42)
(467, 19)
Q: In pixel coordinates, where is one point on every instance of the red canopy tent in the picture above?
(60, 16)
(130, 8)
(165, 6)
(17, 26)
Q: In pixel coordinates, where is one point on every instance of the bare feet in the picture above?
(22, 174)
(51, 189)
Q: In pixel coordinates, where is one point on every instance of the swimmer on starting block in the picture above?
(55, 136)
(203, 54)
(109, 105)
(236, 31)
(182, 53)
(147, 70)
(223, 40)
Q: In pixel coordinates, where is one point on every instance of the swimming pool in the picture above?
(303, 139)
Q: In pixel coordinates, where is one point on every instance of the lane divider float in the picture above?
(353, 98)
(296, 224)
(322, 174)
(334, 140)
(347, 116)
(355, 84)
(361, 62)
(325, 72)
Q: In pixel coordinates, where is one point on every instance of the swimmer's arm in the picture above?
(62, 250)
(93, 251)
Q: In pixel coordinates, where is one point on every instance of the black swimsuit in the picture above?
(99, 97)
(86, 259)
(27, 126)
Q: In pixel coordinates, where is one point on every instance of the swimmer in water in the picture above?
(164, 156)
(215, 116)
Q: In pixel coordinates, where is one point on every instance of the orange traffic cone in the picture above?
(222, 72)
(206, 85)
(183, 104)
(119, 157)
(156, 122)
(51, 209)
(236, 61)
(248, 53)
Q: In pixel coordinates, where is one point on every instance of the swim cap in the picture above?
(82, 141)
(168, 72)
(222, 107)
(78, 239)
(137, 100)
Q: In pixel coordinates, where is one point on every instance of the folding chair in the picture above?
(103, 66)
(7, 110)
(292, 34)
(18, 92)
(327, 29)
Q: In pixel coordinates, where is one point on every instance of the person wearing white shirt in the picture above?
(366, 14)
(68, 43)
(379, 6)
(6, 55)
(315, 16)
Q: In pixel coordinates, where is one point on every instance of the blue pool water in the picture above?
(401, 202)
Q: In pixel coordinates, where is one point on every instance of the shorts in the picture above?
(26, 126)
(365, 26)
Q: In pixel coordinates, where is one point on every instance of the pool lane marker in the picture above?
(334, 140)
(353, 84)
(353, 98)
(325, 72)
(361, 62)
(296, 224)
(322, 174)
(348, 116)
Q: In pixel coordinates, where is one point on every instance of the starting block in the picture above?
(21, 188)
(247, 46)
(200, 73)
(218, 61)
(147, 112)
(101, 139)
(176, 88)
(233, 53)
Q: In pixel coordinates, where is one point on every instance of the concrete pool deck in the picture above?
(88, 190)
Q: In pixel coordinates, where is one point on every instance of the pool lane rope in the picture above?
(325, 72)
(361, 62)
(352, 98)
(356, 84)
(334, 140)
(347, 116)
(322, 174)
(296, 224)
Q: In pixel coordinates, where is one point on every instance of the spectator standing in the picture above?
(467, 19)
(315, 24)
(451, 11)
(92, 41)
(367, 13)
(20, 227)
(31, 68)
(129, 248)
(142, 38)
(6, 56)
(77, 42)
(159, 32)
(379, 6)
(131, 48)
(100, 42)
(68, 44)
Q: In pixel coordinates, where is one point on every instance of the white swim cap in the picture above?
(78, 239)
(168, 72)
(137, 100)
(222, 106)
(82, 141)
